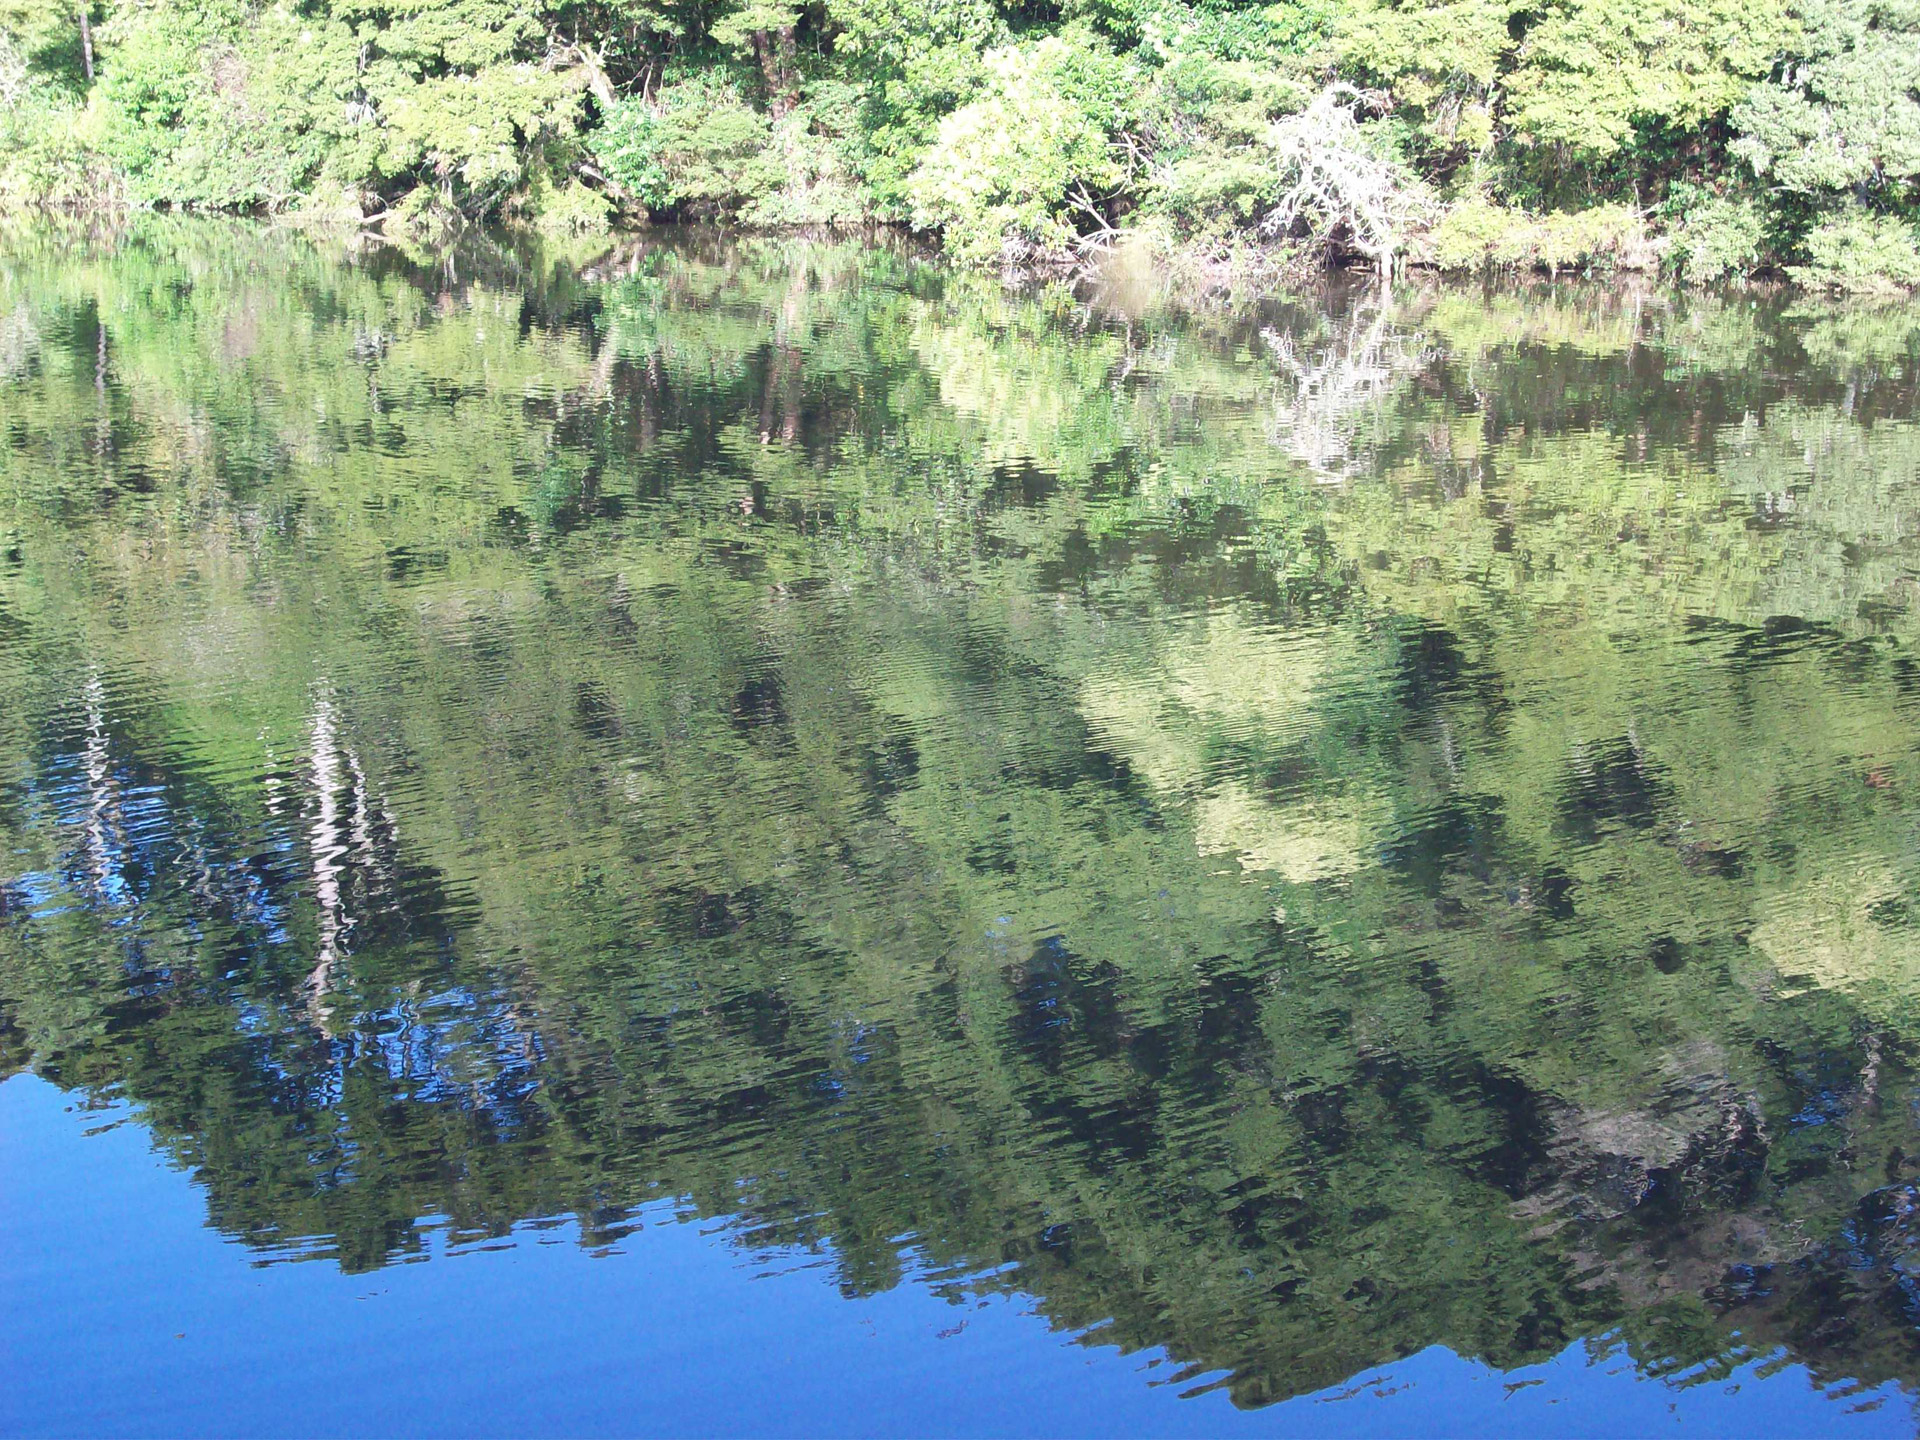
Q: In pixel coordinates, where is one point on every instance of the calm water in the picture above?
(767, 838)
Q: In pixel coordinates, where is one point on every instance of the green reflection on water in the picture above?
(1312, 834)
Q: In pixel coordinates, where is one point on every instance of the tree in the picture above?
(1843, 115)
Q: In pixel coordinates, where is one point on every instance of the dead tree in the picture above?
(1337, 181)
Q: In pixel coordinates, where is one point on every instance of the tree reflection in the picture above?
(1434, 869)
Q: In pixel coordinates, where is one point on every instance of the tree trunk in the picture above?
(777, 53)
(86, 42)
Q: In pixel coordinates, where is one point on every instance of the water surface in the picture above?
(1253, 851)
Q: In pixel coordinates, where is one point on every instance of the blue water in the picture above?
(108, 1270)
(761, 838)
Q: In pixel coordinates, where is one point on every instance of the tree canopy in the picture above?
(1713, 138)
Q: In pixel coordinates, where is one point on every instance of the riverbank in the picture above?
(1713, 142)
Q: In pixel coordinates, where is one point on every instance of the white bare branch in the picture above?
(1331, 393)
(1336, 181)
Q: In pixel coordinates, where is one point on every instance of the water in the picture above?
(762, 837)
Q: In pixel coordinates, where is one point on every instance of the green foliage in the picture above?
(906, 65)
(816, 148)
(1441, 58)
(1846, 112)
(1016, 133)
(1471, 234)
(696, 146)
(1858, 251)
(1225, 78)
(737, 26)
(229, 110)
(475, 129)
(1720, 238)
(1836, 136)
(1477, 234)
(1589, 73)
(1579, 74)
(238, 106)
(47, 156)
(40, 38)
(1012, 173)
(567, 208)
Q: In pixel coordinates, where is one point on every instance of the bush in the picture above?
(46, 160)
(422, 217)
(1477, 234)
(565, 208)
(696, 148)
(213, 108)
(1010, 173)
(1856, 252)
(1600, 237)
(1469, 234)
(1720, 238)
(817, 184)
(1207, 121)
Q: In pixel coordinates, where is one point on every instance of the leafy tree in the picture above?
(694, 147)
(1587, 75)
(1033, 154)
(1845, 112)
(1149, 121)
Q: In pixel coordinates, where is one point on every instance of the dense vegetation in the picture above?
(1308, 835)
(1712, 137)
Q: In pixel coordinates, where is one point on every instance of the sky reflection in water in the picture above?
(677, 1330)
(1276, 841)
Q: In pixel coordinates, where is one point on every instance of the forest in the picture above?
(1706, 140)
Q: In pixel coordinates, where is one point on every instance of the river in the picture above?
(760, 836)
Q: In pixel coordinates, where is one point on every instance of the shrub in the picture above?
(1207, 121)
(1599, 237)
(1720, 238)
(695, 148)
(1860, 253)
(817, 185)
(45, 159)
(565, 208)
(1475, 233)
(1009, 173)
(1468, 234)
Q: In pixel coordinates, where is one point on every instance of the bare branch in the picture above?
(1337, 181)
